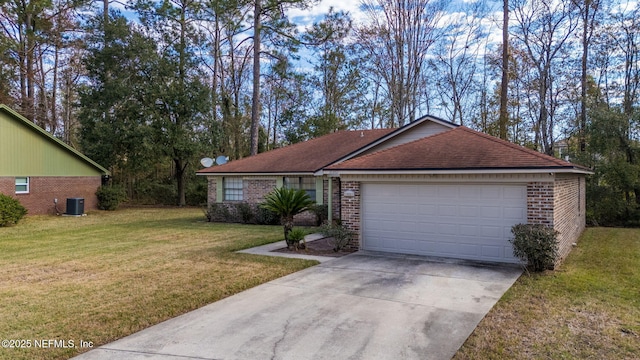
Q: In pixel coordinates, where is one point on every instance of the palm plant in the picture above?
(287, 203)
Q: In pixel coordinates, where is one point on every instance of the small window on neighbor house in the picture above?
(307, 183)
(22, 185)
(233, 189)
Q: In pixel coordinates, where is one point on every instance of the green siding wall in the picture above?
(25, 151)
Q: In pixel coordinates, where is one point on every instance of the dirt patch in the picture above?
(320, 247)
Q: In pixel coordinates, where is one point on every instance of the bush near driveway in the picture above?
(107, 275)
(589, 308)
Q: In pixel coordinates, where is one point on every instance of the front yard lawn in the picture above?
(589, 308)
(104, 276)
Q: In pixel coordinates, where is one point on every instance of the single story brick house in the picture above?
(36, 168)
(429, 188)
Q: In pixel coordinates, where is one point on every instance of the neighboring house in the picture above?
(429, 188)
(37, 168)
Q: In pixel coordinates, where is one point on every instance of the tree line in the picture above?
(149, 90)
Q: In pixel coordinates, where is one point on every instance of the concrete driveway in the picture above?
(361, 306)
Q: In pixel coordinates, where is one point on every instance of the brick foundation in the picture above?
(42, 191)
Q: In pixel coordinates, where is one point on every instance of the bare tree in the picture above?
(543, 28)
(456, 61)
(396, 40)
(588, 15)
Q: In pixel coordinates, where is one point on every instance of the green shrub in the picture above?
(535, 244)
(295, 236)
(217, 212)
(244, 212)
(110, 197)
(240, 212)
(287, 203)
(265, 216)
(11, 211)
(340, 235)
(321, 212)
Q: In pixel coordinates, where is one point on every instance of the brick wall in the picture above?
(254, 191)
(569, 211)
(212, 190)
(350, 212)
(42, 191)
(540, 203)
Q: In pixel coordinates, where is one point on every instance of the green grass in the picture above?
(101, 277)
(589, 308)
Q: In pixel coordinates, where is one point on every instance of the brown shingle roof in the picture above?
(308, 156)
(457, 149)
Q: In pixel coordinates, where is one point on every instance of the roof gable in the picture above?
(457, 149)
(28, 150)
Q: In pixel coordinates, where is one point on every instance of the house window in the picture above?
(22, 185)
(232, 189)
(306, 183)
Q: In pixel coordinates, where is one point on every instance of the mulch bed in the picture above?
(320, 247)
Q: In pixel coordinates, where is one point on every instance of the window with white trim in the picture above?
(22, 185)
(306, 183)
(233, 189)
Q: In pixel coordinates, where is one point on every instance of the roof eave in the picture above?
(254, 173)
(551, 170)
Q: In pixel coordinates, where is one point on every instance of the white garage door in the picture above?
(457, 221)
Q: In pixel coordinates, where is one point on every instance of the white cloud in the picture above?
(306, 17)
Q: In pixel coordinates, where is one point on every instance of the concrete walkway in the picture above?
(361, 306)
(267, 250)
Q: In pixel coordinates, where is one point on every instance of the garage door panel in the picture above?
(431, 191)
(492, 251)
(468, 230)
(514, 193)
(447, 210)
(427, 209)
(491, 212)
(515, 213)
(470, 211)
(491, 231)
(449, 220)
(447, 229)
(448, 192)
(469, 193)
(468, 249)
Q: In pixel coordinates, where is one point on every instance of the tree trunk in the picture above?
(287, 223)
(504, 86)
(255, 104)
(583, 77)
(180, 177)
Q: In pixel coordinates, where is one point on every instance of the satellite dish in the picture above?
(206, 162)
(221, 160)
